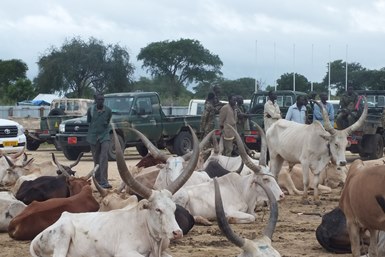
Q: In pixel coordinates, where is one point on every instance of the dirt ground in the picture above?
(294, 235)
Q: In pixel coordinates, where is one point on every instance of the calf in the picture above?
(39, 215)
(363, 203)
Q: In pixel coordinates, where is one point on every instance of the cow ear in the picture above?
(326, 137)
(144, 204)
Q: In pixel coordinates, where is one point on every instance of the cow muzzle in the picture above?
(177, 234)
(342, 163)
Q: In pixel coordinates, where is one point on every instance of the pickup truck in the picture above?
(368, 141)
(285, 98)
(60, 110)
(140, 110)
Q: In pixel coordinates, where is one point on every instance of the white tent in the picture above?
(44, 99)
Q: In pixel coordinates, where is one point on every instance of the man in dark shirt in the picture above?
(98, 118)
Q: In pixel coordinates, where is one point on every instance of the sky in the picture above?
(253, 38)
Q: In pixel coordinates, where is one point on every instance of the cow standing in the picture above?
(363, 203)
(313, 146)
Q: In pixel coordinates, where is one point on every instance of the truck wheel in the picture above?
(71, 153)
(56, 112)
(142, 150)
(183, 143)
(33, 145)
(377, 147)
(111, 151)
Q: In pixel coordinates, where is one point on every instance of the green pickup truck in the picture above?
(285, 98)
(140, 110)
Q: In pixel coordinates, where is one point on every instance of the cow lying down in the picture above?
(292, 180)
(332, 234)
(10, 207)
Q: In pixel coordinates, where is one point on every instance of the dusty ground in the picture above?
(294, 235)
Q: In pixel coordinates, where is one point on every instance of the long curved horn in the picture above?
(189, 169)
(242, 152)
(240, 168)
(202, 144)
(155, 152)
(77, 161)
(92, 172)
(328, 127)
(222, 220)
(270, 227)
(103, 192)
(10, 163)
(263, 154)
(125, 174)
(59, 166)
(360, 121)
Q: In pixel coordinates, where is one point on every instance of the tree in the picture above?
(80, 68)
(180, 62)
(285, 82)
(14, 85)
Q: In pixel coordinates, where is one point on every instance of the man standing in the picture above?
(317, 114)
(228, 115)
(348, 113)
(297, 112)
(217, 103)
(271, 111)
(98, 118)
(208, 116)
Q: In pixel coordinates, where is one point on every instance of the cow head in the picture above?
(64, 169)
(260, 247)
(14, 171)
(75, 185)
(338, 142)
(158, 203)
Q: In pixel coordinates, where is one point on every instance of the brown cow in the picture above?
(363, 203)
(39, 215)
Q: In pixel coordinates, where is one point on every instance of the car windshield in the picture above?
(119, 104)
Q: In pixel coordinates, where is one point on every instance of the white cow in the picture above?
(313, 146)
(240, 193)
(143, 230)
(47, 168)
(4, 163)
(10, 207)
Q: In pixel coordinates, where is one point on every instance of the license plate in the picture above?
(10, 143)
(72, 140)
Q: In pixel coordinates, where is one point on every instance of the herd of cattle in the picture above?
(163, 197)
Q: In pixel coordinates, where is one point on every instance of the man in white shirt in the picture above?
(271, 111)
(297, 112)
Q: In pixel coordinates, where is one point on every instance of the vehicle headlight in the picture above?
(62, 128)
(20, 130)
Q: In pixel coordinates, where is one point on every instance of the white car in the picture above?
(12, 137)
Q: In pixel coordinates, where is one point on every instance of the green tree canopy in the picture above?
(285, 82)
(14, 84)
(79, 68)
(180, 62)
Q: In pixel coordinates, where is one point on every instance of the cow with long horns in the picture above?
(313, 146)
(143, 230)
(260, 247)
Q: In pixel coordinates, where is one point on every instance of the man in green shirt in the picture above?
(98, 118)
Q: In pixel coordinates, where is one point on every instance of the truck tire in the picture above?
(377, 147)
(142, 149)
(33, 145)
(71, 153)
(111, 150)
(56, 112)
(183, 143)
